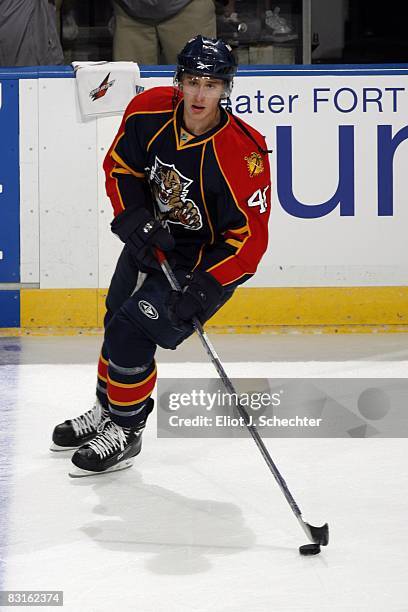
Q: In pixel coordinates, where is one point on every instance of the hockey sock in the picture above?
(129, 390)
(102, 380)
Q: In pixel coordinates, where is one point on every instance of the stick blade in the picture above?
(320, 535)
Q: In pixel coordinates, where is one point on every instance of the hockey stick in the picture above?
(317, 535)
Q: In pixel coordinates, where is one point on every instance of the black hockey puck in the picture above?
(309, 549)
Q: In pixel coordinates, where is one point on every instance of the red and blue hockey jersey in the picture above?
(212, 191)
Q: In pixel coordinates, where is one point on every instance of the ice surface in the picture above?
(200, 525)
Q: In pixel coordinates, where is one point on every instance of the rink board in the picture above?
(9, 205)
(338, 223)
(261, 308)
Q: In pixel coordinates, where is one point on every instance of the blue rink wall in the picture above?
(9, 204)
(337, 256)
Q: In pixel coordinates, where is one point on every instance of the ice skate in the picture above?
(75, 432)
(113, 449)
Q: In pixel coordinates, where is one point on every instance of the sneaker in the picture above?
(76, 432)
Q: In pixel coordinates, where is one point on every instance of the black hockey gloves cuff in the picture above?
(141, 233)
(200, 297)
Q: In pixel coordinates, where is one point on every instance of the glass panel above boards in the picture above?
(259, 31)
(359, 32)
(262, 31)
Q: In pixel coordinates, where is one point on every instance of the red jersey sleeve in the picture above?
(246, 171)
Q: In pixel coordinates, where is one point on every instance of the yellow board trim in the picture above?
(250, 309)
(266, 306)
(59, 308)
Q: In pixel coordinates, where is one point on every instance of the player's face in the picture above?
(201, 95)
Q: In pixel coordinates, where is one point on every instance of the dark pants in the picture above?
(137, 320)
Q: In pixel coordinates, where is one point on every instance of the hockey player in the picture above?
(187, 177)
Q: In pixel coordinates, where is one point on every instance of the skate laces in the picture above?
(88, 422)
(110, 438)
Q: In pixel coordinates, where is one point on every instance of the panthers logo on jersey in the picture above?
(170, 190)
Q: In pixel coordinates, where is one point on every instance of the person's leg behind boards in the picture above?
(133, 40)
(198, 17)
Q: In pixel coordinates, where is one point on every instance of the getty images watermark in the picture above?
(211, 401)
(336, 408)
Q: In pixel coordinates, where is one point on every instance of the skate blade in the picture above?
(60, 449)
(78, 473)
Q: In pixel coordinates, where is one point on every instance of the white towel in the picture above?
(106, 88)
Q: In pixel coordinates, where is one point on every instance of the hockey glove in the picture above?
(145, 234)
(200, 297)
